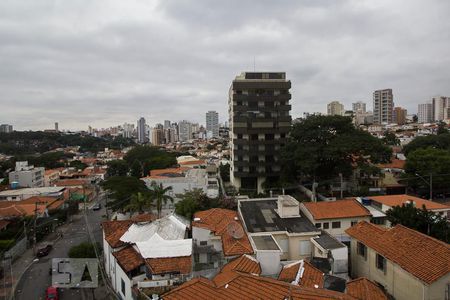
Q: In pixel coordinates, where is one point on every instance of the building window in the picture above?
(122, 287)
(354, 223)
(361, 249)
(336, 224)
(381, 263)
(318, 225)
(326, 225)
(203, 243)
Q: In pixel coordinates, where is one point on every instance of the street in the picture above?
(36, 279)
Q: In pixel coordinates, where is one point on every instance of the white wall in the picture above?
(269, 261)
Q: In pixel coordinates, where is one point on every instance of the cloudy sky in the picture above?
(106, 62)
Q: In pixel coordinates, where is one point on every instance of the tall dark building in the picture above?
(259, 123)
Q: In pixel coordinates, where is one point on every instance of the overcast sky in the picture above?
(103, 63)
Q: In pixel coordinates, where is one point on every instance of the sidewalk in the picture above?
(21, 264)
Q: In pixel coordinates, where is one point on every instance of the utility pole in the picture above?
(342, 184)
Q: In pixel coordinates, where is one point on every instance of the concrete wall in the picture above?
(339, 233)
(399, 283)
(294, 247)
(121, 276)
(269, 261)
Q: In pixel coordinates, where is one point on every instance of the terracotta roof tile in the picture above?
(218, 221)
(145, 217)
(398, 200)
(311, 276)
(394, 164)
(364, 289)
(114, 230)
(128, 258)
(424, 257)
(244, 263)
(70, 182)
(347, 208)
(181, 265)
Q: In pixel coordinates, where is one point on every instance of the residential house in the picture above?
(21, 194)
(335, 217)
(33, 206)
(218, 237)
(408, 264)
(25, 175)
(51, 177)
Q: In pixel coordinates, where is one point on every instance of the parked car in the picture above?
(97, 206)
(51, 293)
(44, 251)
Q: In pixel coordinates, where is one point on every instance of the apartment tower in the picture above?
(212, 124)
(383, 106)
(141, 131)
(259, 122)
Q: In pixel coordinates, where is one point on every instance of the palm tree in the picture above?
(139, 202)
(159, 194)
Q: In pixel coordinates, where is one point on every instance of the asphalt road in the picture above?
(36, 279)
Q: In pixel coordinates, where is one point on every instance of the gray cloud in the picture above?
(107, 62)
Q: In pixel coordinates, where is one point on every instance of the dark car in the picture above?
(97, 206)
(44, 251)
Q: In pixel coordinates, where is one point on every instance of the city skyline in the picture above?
(110, 63)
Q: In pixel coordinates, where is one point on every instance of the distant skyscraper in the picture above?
(56, 127)
(425, 113)
(259, 123)
(400, 115)
(6, 128)
(383, 106)
(440, 105)
(141, 131)
(185, 131)
(335, 108)
(212, 123)
(166, 124)
(157, 136)
(359, 107)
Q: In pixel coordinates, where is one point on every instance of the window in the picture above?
(381, 263)
(318, 225)
(122, 287)
(354, 223)
(336, 224)
(361, 249)
(203, 243)
(326, 225)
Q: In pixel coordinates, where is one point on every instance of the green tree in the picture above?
(159, 195)
(83, 250)
(391, 139)
(149, 158)
(441, 141)
(321, 147)
(422, 220)
(415, 118)
(140, 202)
(121, 189)
(117, 167)
(193, 201)
(426, 162)
(136, 169)
(442, 128)
(77, 164)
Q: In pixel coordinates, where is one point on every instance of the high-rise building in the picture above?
(400, 114)
(383, 106)
(157, 136)
(142, 137)
(26, 175)
(359, 107)
(6, 128)
(259, 123)
(56, 127)
(166, 124)
(185, 130)
(425, 113)
(335, 108)
(212, 124)
(440, 105)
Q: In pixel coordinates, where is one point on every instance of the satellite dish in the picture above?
(235, 230)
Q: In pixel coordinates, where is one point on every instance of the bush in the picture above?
(83, 250)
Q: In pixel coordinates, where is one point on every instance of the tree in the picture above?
(136, 169)
(83, 250)
(117, 167)
(149, 158)
(391, 139)
(426, 162)
(193, 201)
(442, 128)
(441, 141)
(140, 202)
(224, 170)
(77, 164)
(415, 118)
(422, 220)
(159, 195)
(321, 147)
(121, 189)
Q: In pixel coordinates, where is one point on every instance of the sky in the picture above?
(106, 62)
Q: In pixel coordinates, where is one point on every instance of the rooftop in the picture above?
(265, 242)
(260, 215)
(157, 247)
(309, 275)
(424, 257)
(128, 258)
(114, 230)
(363, 288)
(181, 265)
(399, 200)
(328, 242)
(31, 191)
(347, 208)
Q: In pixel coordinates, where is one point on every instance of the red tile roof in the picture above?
(244, 263)
(163, 265)
(248, 286)
(114, 230)
(347, 208)
(398, 200)
(70, 182)
(144, 217)
(219, 221)
(128, 258)
(364, 289)
(310, 278)
(424, 257)
(394, 164)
